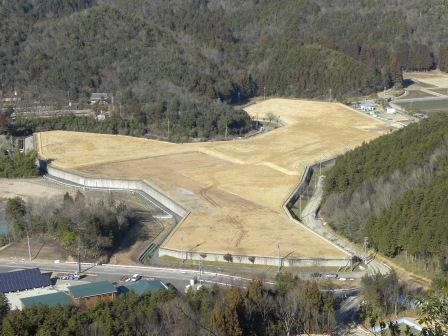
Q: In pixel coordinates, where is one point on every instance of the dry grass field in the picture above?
(235, 189)
(435, 78)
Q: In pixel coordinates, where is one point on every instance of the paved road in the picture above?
(179, 277)
(348, 309)
(310, 219)
(413, 100)
(165, 274)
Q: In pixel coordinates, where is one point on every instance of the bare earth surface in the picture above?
(235, 189)
(41, 248)
(28, 189)
(137, 239)
(435, 78)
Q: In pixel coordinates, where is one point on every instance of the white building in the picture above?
(391, 110)
(367, 105)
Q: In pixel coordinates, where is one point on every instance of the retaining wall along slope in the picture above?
(176, 209)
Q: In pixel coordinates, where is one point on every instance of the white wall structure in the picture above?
(156, 197)
(256, 260)
(118, 184)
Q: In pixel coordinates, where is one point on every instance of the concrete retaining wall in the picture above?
(145, 188)
(116, 184)
(304, 181)
(292, 199)
(257, 260)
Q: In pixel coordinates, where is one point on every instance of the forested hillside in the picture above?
(184, 61)
(394, 190)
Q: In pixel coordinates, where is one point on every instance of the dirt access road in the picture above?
(235, 189)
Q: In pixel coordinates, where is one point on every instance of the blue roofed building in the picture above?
(91, 293)
(142, 286)
(52, 299)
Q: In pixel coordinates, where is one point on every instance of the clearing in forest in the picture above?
(234, 189)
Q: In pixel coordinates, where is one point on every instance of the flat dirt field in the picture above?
(28, 189)
(234, 189)
(434, 78)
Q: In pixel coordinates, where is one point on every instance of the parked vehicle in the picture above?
(135, 277)
(331, 275)
(171, 287)
(70, 276)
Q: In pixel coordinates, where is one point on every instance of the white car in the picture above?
(135, 277)
(331, 275)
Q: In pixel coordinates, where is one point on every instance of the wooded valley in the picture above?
(179, 64)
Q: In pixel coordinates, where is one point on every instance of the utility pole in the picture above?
(79, 257)
(79, 253)
(264, 92)
(28, 241)
(27, 224)
(365, 248)
(279, 259)
(168, 128)
(185, 247)
(200, 269)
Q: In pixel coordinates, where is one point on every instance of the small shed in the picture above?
(142, 286)
(52, 299)
(390, 110)
(88, 295)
